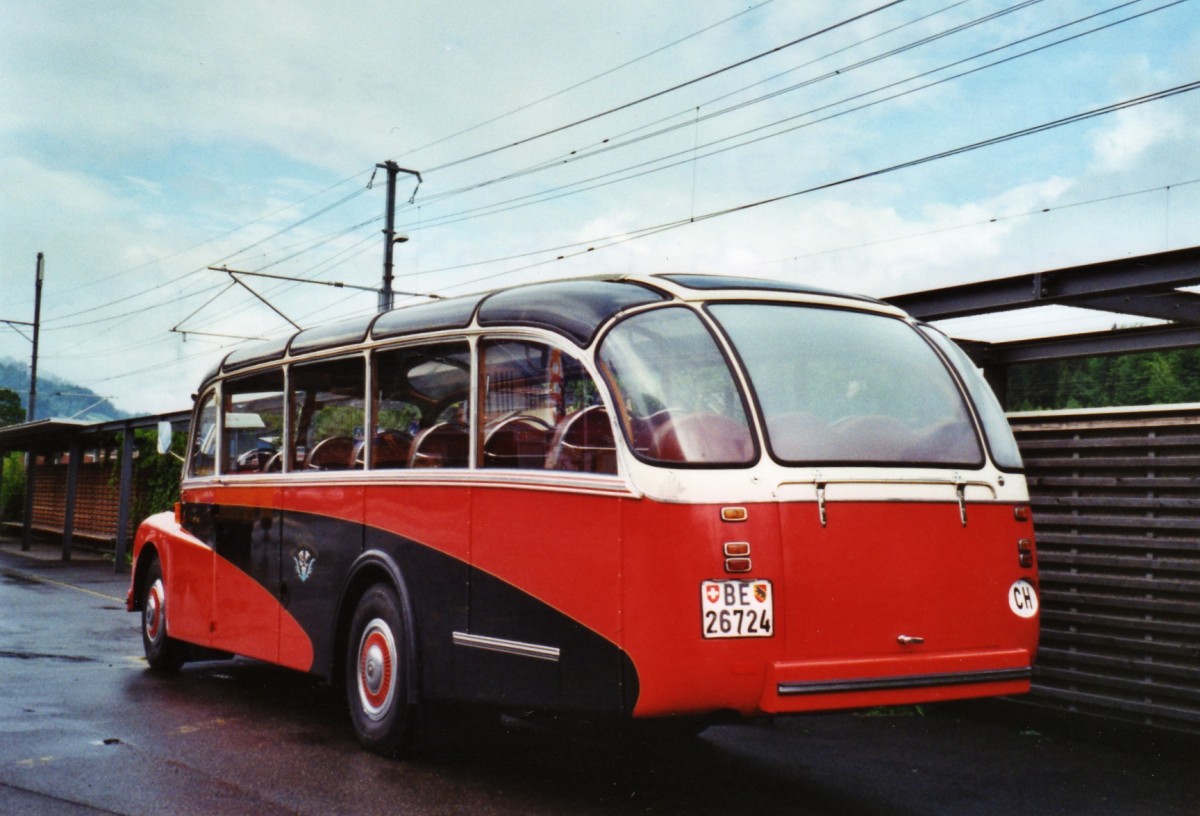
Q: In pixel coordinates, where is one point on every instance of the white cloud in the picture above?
(135, 136)
(1130, 135)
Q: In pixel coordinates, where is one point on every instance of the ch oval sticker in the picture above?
(1022, 599)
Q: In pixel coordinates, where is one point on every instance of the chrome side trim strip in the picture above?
(907, 682)
(513, 647)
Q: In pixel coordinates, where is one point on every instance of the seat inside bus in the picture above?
(443, 445)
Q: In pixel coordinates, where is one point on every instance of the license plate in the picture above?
(736, 609)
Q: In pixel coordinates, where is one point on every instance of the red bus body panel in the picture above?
(843, 596)
(630, 570)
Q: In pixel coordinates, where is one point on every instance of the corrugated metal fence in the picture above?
(1116, 499)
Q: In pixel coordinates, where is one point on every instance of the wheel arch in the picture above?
(375, 567)
(147, 555)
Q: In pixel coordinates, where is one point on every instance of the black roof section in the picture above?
(576, 308)
(263, 352)
(438, 315)
(711, 282)
(344, 332)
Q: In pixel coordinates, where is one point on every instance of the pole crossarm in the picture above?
(335, 284)
(14, 323)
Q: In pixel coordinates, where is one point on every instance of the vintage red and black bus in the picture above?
(658, 496)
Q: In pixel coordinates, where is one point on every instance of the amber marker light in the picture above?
(1021, 512)
(734, 514)
(178, 513)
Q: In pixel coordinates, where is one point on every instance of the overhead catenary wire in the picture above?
(841, 113)
(657, 164)
(676, 224)
(938, 156)
(246, 250)
(259, 219)
(576, 86)
(617, 143)
(236, 254)
(663, 92)
(173, 281)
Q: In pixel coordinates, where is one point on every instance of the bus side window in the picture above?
(329, 414)
(541, 410)
(422, 407)
(204, 440)
(252, 422)
(676, 395)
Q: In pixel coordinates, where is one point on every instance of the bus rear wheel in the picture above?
(163, 653)
(377, 672)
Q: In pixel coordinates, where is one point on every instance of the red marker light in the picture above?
(737, 564)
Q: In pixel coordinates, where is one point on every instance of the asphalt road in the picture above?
(85, 729)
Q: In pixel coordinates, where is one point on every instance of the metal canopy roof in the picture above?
(40, 435)
(56, 434)
(1143, 286)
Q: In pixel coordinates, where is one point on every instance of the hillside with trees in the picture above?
(56, 397)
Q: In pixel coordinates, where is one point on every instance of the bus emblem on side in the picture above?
(305, 560)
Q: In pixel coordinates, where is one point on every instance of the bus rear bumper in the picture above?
(818, 685)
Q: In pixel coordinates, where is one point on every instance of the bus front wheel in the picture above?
(163, 653)
(377, 670)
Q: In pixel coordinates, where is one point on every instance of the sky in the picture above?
(851, 144)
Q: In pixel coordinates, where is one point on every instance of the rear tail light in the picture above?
(737, 556)
(737, 564)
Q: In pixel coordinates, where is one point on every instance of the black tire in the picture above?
(378, 670)
(163, 653)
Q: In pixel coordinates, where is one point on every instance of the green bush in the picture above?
(12, 487)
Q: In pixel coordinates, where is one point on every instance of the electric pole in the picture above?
(31, 405)
(386, 295)
(37, 321)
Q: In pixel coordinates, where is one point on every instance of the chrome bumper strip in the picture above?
(910, 681)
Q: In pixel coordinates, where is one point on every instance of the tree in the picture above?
(11, 410)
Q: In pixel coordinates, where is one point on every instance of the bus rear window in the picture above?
(849, 387)
(678, 401)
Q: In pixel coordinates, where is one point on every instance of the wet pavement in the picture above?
(88, 730)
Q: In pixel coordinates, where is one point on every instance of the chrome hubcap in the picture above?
(373, 668)
(376, 669)
(154, 605)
